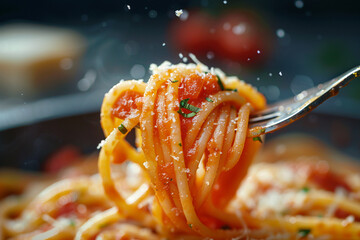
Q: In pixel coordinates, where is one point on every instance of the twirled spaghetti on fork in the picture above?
(193, 126)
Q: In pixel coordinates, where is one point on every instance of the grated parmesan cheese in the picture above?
(101, 144)
(179, 12)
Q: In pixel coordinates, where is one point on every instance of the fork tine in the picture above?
(268, 110)
(264, 117)
(285, 112)
(275, 107)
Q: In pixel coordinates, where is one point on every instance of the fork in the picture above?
(283, 113)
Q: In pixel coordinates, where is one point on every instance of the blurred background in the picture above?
(58, 58)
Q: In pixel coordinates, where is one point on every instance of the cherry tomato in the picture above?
(193, 34)
(241, 36)
(62, 158)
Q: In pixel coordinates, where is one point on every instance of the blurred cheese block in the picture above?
(34, 58)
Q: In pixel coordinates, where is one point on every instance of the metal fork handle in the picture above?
(283, 113)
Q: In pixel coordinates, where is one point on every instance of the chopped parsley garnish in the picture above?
(187, 115)
(305, 189)
(209, 99)
(303, 232)
(220, 83)
(122, 129)
(180, 144)
(257, 139)
(184, 104)
(171, 179)
(174, 81)
(190, 225)
(231, 89)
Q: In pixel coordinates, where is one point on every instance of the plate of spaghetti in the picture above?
(192, 172)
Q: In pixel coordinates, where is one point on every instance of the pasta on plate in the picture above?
(193, 172)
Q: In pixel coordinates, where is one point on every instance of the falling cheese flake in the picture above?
(179, 12)
(225, 2)
(101, 144)
(164, 44)
(258, 51)
(128, 7)
(280, 73)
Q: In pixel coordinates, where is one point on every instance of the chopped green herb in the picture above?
(320, 216)
(180, 144)
(220, 83)
(184, 104)
(72, 223)
(209, 99)
(190, 225)
(257, 139)
(231, 89)
(225, 227)
(187, 115)
(193, 109)
(303, 232)
(122, 129)
(305, 189)
(171, 179)
(174, 81)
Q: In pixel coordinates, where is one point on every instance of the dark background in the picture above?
(321, 38)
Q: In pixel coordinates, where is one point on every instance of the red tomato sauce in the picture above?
(213, 223)
(339, 213)
(195, 87)
(67, 209)
(79, 210)
(322, 175)
(328, 180)
(127, 101)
